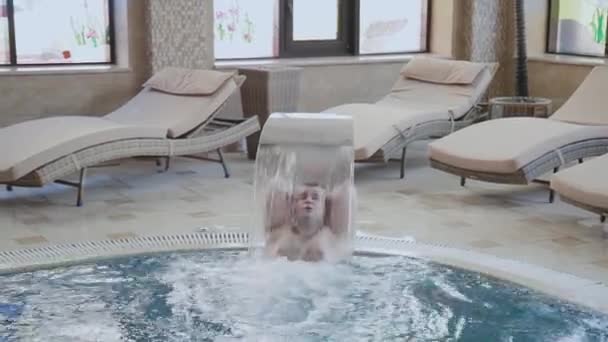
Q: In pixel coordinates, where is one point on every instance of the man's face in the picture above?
(310, 202)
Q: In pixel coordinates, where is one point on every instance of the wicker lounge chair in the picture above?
(585, 186)
(174, 115)
(519, 150)
(432, 98)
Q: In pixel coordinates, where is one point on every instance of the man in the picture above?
(306, 235)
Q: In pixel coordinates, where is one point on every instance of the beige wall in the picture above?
(27, 97)
(442, 22)
(555, 81)
(536, 25)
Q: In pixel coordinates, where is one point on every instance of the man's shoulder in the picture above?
(281, 232)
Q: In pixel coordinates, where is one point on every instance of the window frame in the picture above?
(551, 34)
(10, 9)
(342, 46)
(347, 44)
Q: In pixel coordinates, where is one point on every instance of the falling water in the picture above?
(281, 168)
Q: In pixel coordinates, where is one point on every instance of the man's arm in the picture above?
(277, 209)
(342, 203)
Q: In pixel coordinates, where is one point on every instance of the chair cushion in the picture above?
(442, 70)
(375, 124)
(588, 105)
(177, 114)
(585, 183)
(37, 142)
(506, 145)
(410, 103)
(181, 81)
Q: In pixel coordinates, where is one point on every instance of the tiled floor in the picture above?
(513, 222)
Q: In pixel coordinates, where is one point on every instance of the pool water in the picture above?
(227, 296)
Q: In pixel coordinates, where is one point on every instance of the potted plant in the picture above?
(521, 104)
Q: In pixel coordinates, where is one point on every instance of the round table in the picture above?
(509, 106)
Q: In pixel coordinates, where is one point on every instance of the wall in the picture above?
(550, 77)
(556, 80)
(180, 33)
(442, 22)
(483, 31)
(332, 85)
(32, 96)
(536, 26)
(327, 86)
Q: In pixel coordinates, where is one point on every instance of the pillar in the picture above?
(484, 31)
(180, 33)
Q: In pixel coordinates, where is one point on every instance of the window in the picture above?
(50, 32)
(306, 28)
(578, 27)
(4, 43)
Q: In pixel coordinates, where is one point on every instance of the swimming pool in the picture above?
(226, 295)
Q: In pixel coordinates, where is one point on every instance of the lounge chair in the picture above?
(519, 150)
(432, 98)
(174, 115)
(585, 186)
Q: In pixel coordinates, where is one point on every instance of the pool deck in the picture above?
(510, 223)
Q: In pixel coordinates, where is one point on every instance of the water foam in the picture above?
(229, 296)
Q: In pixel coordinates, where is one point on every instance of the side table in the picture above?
(267, 90)
(510, 106)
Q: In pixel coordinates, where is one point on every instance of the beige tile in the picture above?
(592, 271)
(118, 201)
(536, 223)
(121, 217)
(409, 192)
(201, 214)
(483, 244)
(456, 223)
(120, 236)
(193, 199)
(31, 240)
(568, 241)
(35, 220)
(186, 172)
(601, 263)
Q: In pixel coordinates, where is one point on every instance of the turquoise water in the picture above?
(226, 296)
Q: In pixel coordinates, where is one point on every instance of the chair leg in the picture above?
(551, 196)
(402, 174)
(463, 181)
(551, 191)
(83, 173)
(9, 188)
(167, 163)
(223, 162)
(159, 162)
(603, 218)
(79, 185)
